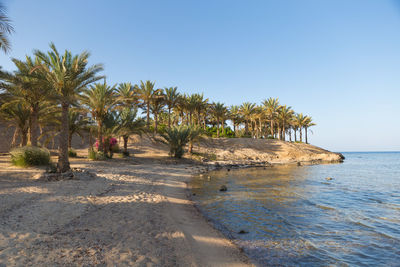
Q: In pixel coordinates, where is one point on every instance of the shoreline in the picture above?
(221, 166)
(136, 211)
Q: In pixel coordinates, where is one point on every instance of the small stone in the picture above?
(243, 232)
(328, 178)
(223, 188)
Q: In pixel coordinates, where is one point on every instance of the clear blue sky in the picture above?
(335, 60)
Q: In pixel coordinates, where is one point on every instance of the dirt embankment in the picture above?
(242, 151)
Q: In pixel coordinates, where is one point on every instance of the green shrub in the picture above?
(178, 137)
(94, 155)
(72, 153)
(30, 156)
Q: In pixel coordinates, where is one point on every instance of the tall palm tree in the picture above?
(5, 29)
(129, 124)
(247, 109)
(156, 106)
(234, 116)
(146, 93)
(171, 99)
(219, 111)
(307, 124)
(30, 86)
(67, 75)
(284, 117)
(299, 124)
(99, 99)
(271, 108)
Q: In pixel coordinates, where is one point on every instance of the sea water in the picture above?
(294, 216)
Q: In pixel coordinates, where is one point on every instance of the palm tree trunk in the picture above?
(190, 147)
(279, 133)
(100, 135)
(148, 115)
(272, 128)
(69, 141)
(14, 139)
(24, 137)
(169, 117)
(217, 128)
(283, 133)
(295, 135)
(63, 162)
(125, 137)
(301, 135)
(155, 122)
(33, 125)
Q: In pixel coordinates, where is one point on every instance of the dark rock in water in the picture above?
(228, 170)
(328, 178)
(299, 163)
(223, 188)
(243, 232)
(341, 156)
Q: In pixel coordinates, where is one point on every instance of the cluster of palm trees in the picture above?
(51, 94)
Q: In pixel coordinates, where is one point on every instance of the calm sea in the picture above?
(294, 216)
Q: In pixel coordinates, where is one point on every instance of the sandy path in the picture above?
(130, 215)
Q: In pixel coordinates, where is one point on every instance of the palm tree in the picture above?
(178, 137)
(127, 95)
(171, 99)
(271, 108)
(285, 115)
(156, 106)
(247, 109)
(67, 75)
(77, 125)
(146, 93)
(129, 124)
(234, 116)
(30, 86)
(17, 114)
(5, 29)
(299, 121)
(307, 124)
(219, 111)
(99, 99)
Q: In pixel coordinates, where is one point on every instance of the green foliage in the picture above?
(178, 137)
(96, 155)
(30, 156)
(72, 153)
(227, 132)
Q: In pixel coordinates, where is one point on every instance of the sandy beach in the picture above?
(134, 212)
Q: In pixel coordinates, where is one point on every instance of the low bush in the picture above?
(72, 153)
(178, 137)
(94, 155)
(30, 156)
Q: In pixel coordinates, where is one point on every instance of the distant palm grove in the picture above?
(58, 95)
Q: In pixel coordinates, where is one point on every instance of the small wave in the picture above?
(325, 207)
